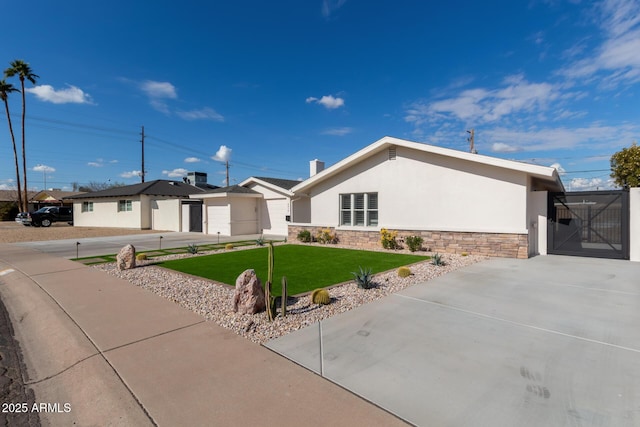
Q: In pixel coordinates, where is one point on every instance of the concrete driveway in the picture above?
(549, 341)
(96, 246)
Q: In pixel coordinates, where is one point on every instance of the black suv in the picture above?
(48, 215)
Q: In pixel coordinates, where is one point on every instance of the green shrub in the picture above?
(192, 249)
(388, 239)
(304, 236)
(320, 296)
(404, 272)
(228, 246)
(141, 257)
(414, 243)
(364, 278)
(260, 241)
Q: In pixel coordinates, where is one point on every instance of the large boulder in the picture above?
(126, 258)
(249, 295)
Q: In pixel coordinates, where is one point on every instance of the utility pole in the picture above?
(142, 141)
(227, 167)
(471, 140)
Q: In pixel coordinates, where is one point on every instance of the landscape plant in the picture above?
(192, 249)
(404, 272)
(269, 298)
(364, 278)
(437, 260)
(320, 297)
(388, 239)
(325, 236)
(228, 246)
(304, 236)
(414, 243)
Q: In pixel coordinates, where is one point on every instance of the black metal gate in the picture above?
(590, 223)
(195, 217)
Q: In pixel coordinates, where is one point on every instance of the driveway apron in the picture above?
(551, 340)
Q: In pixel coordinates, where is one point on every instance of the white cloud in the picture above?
(95, 164)
(223, 154)
(70, 95)
(559, 168)
(501, 147)
(131, 174)
(43, 168)
(201, 114)
(158, 93)
(482, 105)
(159, 89)
(192, 160)
(337, 131)
(176, 173)
(616, 60)
(328, 101)
(588, 184)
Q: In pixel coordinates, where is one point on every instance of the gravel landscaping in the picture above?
(213, 300)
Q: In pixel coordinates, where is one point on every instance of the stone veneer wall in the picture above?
(505, 245)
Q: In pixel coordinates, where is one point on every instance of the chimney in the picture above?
(315, 166)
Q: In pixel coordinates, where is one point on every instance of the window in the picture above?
(87, 206)
(359, 209)
(124, 206)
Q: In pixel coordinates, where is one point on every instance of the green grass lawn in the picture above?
(306, 267)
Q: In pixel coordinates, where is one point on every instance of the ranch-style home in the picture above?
(456, 201)
(156, 205)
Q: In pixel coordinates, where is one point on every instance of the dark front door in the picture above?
(195, 217)
(593, 224)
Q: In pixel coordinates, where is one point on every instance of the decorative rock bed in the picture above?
(214, 301)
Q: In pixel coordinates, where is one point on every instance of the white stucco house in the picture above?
(457, 201)
(156, 205)
(255, 206)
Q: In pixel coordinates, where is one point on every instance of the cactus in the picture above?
(320, 296)
(141, 257)
(404, 272)
(229, 246)
(270, 299)
(283, 298)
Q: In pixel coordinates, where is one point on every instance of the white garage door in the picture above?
(218, 217)
(274, 214)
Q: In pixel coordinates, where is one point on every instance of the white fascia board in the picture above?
(270, 186)
(544, 172)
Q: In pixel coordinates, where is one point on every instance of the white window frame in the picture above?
(87, 207)
(349, 214)
(125, 205)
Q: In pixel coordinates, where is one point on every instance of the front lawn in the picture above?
(306, 267)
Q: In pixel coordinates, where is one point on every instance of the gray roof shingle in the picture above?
(159, 187)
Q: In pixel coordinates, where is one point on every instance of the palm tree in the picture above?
(23, 71)
(5, 90)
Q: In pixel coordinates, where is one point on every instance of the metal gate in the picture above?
(590, 223)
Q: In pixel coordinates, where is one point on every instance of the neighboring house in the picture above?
(457, 201)
(257, 205)
(50, 198)
(156, 205)
(9, 204)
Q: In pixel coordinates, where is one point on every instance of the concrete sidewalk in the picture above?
(120, 355)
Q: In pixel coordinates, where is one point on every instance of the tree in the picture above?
(24, 72)
(5, 90)
(625, 167)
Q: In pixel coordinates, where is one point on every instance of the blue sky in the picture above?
(272, 85)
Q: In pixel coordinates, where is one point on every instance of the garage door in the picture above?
(274, 213)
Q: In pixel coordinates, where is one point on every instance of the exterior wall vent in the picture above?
(392, 153)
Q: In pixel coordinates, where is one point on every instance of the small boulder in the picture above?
(126, 258)
(249, 295)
